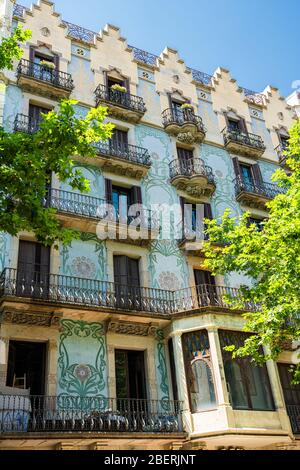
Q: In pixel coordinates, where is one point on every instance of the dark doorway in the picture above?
(291, 395)
(26, 366)
(33, 270)
(127, 282)
(206, 288)
(130, 374)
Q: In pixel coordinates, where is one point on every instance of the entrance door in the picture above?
(26, 366)
(291, 395)
(33, 270)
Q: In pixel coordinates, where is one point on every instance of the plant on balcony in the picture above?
(187, 106)
(47, 65)
(117, 87)
(270, 257)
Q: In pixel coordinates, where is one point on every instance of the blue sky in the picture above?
(257, 40)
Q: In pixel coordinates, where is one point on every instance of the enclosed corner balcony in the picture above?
(192, 176)
(59, 289)
(121, 104)
(40, 79)
(65, 414)
(255, 194)
(88, 207)
(184, 124)
(123, 159)
(243, 143)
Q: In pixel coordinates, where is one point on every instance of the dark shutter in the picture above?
(203, 277)
(127, 85)
(242, 126)
(56, 62)
(108, 191)
(120, 137)
(31, 53)
(237, 169)
(207, 211)
(133, 272)
(120, 270)
(226, 119)
(33, 269)
(136, 195)
(257, 177)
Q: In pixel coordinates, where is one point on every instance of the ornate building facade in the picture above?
(119, 343)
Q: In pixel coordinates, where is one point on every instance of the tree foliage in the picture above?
(10, 47)
(271, 258)
(26, 163)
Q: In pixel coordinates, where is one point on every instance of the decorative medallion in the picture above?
(168, 281)
(83, 267)
(82, 372)
(45, 32)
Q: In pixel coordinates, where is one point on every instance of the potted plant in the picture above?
(187, 107)
(118, 87)
(47, 65)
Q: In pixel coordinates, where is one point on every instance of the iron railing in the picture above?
(43, 73)
(119, 98)
(267, 190)
(144, 56)
(131, 153)
(27, 124)
(37, 413)
(254, 97)
(201, 77)
(32, 281)
(293, 412)
(190, 167)
(36, 283)
(181, 117)
(97, 208)
(244, 138)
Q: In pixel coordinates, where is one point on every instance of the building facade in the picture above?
(119, 343)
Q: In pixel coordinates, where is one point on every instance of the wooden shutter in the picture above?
(237, 168)
(207, 211)
(108, 190)
(126, 84)
(184, 154)
(203, 277)
(242, 125)
(136, 195)
(257, 177)
(120, 270)
(133, 276)
(56, 62)
(31, 53)
(120, 137)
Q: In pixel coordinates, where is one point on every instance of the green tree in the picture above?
(10, 47)
(271, 258)
(26, 163)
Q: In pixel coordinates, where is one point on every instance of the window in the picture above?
(33, 269)
(127, 282)
(121, 199)
(284, 140)
(206, 288)
(192, 216)
(248, 385)
(246, 173)
(119, 140)
(198, 370)
(257, 222)
(35, 115)
(234, 125)
(114, 81)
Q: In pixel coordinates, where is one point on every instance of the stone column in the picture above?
(51, 378)
(3, 359)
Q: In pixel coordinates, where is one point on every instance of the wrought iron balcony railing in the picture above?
(252, 140)
(293, 412)
(97, 208)
(181, 117)
(27, 124)
(267, 190)
(36, 283)
(131, 153)
(65, 414)
(190, 167)
(43, 73)
(208, 295)
(119, 98)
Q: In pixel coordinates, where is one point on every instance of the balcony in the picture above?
(21, 414)
(94, 213)
(120, 104)
(293, 412)
(108, 296)
(123, 159)
(243, 143)
(42, 80)
(192, 176)
(68, 290)
(255, 194)
(183, 124)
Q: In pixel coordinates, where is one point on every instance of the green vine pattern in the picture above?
(82, 380)
(162, 370)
